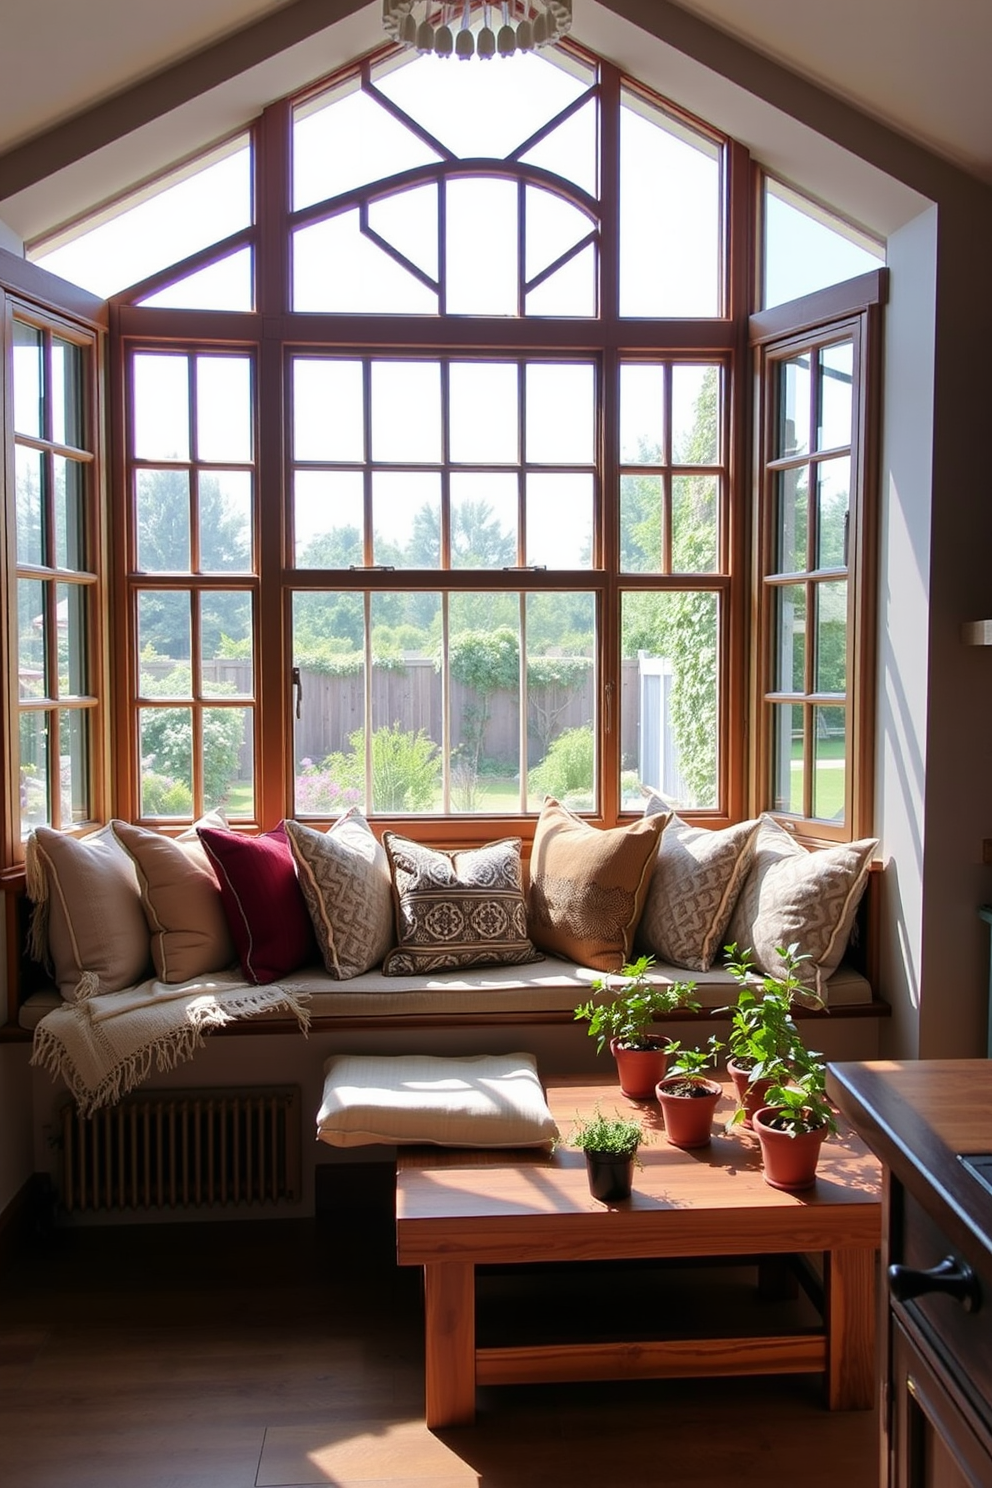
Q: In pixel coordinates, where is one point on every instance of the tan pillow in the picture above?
(485, 1100)
(345, 880)
(182, 905)
(88, 921)
(457, 908)
(587, 886)
(792, 896)
(693, 890)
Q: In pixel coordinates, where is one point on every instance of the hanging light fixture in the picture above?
(453, 28)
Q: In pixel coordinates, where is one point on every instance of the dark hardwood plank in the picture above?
(241, 1355)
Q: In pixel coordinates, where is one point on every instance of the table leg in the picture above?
(850, 1324)
(449, 1339)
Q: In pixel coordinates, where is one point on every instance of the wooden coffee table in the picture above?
(458, 1209)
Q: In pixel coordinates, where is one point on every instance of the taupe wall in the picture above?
(16, 1154)
(10, 240)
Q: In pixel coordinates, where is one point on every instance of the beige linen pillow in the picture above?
(587, 886)
(792, 896)
(344, 876)
(457, 908)
(487, 1100)
(693, 890)
(87, 921)
(182, 905)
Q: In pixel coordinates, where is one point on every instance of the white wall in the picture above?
(905, 491)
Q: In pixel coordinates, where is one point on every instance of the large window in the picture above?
(53, 537)
(434, 491)
(815, 551)
(461, 512)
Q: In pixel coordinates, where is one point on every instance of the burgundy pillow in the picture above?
(264, 904)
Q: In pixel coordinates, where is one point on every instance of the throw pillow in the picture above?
(588, 886)
(486, 1100)
(182, 905)
(792, 896)
(87, 920)
(693, 890)
(344, 876)
(266, 912)
(457, 908)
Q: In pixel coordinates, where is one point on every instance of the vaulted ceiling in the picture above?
(94, 97)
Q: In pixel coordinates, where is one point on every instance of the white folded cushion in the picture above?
(488, 1100)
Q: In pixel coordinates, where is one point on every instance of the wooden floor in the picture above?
(254, 1355)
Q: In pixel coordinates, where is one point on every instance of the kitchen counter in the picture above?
(921, 1119)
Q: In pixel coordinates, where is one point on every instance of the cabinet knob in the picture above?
(954, 1278)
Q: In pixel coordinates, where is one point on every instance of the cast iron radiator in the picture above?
(183, 1148)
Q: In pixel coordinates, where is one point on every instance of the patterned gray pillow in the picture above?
(697, 878)
(457, 908)
(792, 896)
(345, 880)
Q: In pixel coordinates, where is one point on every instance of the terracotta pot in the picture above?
(610, 1176)
(789, 1161)
(750, 1093)
(640, 1069)
(688, 1118)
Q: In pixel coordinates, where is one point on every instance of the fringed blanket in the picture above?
(106, 1045)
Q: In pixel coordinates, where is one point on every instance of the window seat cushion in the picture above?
(550, 986)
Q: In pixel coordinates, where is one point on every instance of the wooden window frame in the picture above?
(45, 316)
(276, 332)
(851, 310)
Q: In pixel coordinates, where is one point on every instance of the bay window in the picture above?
(432, 474)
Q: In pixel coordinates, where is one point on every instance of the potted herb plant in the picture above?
(688, 1098)
(610, 1145)
(763, 1034)
(792, 1126)
(626, 1023)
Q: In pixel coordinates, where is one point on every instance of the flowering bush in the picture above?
(320, 793)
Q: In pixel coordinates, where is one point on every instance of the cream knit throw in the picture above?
(105, 1046)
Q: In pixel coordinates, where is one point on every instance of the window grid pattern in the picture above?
(57, 576)
(813, 393)
(192, 582)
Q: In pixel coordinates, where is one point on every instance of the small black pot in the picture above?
(610, 1176)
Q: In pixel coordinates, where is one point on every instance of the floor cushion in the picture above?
(487, 1100)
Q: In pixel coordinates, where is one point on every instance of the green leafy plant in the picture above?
(406, 768)
(762, 1029)
(798, 1100)
(567, 768)
(628, 1018)
(617, 1135)
(694, 1062)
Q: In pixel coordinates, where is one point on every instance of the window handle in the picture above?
(608, 707)
(298, 686)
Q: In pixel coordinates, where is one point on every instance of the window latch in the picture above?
(525, 568)
(372, 567)
(298, 687)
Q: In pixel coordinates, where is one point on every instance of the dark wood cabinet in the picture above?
(926, 1121)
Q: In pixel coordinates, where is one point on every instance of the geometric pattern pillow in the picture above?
(264, 904)
(588, 886)
(694, 887)
(457, 909)
(182, 905)
(345, 881)
(87, 922)
(792, 896)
